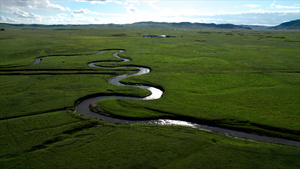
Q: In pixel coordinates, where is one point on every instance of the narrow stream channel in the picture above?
(83, 107)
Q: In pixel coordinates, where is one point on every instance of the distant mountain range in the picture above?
(291, 25)
(187, 25)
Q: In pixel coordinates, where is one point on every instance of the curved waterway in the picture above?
(84, 110)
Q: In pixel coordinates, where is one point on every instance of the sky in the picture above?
(239, 12)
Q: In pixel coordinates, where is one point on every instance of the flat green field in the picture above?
(241, 79)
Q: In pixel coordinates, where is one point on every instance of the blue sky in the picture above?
(247, 12)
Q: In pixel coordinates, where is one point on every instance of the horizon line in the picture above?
(263, 25)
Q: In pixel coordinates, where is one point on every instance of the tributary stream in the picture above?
(84, 110)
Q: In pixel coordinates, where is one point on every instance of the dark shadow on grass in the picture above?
(36, 113)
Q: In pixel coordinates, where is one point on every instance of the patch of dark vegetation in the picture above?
(36, 113)
(289, 71)
(32, 29)
(95, 108)
(150, 36)
(295, 132)
(88, 124)
(16, 70)
(280, 37)
(260, 71)
(277, 37)
(46, 143)
(250, 127)
(205, 32)
(214, 140)
(6, 156)
(6, 71)
(84, 135)
(57, 73)
(4, 38)
(158, 36)
(119, 34)
(82, 127)
(200, 40)
(291, 41)
(109, 49)
(64, 29)
(107, 61)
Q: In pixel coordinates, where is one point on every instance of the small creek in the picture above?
(83, 107)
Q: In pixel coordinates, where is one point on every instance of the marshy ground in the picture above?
(231, 78)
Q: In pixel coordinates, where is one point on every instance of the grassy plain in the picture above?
(241, 79)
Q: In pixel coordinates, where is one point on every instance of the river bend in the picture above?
(84, 110)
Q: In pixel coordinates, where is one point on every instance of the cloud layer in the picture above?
(129, 11)
(44, 4)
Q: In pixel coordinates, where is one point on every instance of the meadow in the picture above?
(241, 79)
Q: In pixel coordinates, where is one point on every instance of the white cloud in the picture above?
(252, 6)
(34, 4)
(7, 20)
(287, 7)
(62, 15)
(11, 20)
(4, 11)
(295, 6)
(89, 0)
(131, 8)
(2, 19)
(95, 1)
(60, 19)
(97, 13)
(257, 11)
(273, 3)
(47, 5)
(22, 14)
(123, 2)
(151, 4)
(81, 11)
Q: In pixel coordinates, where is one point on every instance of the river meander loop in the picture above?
(84, 110)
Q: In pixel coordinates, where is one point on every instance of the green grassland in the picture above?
(241, 79)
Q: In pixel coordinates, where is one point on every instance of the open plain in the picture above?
(237, 79)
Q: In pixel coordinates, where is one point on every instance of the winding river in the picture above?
(83, 107)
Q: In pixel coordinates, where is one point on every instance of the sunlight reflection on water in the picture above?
(175, 122)
(155, 94)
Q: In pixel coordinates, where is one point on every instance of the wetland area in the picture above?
(85, 98)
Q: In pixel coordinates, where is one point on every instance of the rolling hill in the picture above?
(291, 25)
